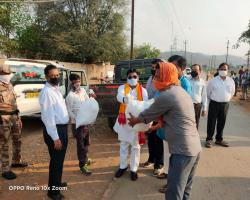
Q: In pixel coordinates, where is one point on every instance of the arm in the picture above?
(209, 90)
(204, 98)
(69, 104)
(144, 94)
(233, 88)
(120, 94)
(48, 116)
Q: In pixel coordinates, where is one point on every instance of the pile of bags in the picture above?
(87, 113)
(135, 107)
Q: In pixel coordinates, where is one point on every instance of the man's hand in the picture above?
(57, 145)
(133, 120)
(92, 95)
(203, 113)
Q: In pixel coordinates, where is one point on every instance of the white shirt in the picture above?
(73, 102)
(125, 132)
(199, 92)
(53, 109)
(220, 90)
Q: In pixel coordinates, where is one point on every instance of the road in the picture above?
(223, 173)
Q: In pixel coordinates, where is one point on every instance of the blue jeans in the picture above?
(180, 176)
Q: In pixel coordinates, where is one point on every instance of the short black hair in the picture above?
(181, 61)
(222, 64)
(48, 68)
(132, 71)
(74, 77)
(156, 60)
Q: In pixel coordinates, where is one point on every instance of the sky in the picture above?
(205, 24)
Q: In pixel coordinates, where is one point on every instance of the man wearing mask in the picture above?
(55, 118)
(155, 144)
(131, 90)
(181, 64)
(10, 124)
(199, 93)
(73, 100)
(220, 90)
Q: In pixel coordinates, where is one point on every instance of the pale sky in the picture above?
(205, 24)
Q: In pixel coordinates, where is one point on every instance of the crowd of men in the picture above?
(173, 139)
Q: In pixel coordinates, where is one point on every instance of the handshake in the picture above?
(127, 99)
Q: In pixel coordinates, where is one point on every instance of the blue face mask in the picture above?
(132, 82)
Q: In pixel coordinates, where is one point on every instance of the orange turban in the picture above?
(168, 76)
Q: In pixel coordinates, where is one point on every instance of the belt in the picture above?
(62, 125)
(218, 102)
(15, 112)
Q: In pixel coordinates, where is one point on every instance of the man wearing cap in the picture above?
(10, 124)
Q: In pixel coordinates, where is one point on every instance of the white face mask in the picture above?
(6, 78)
(132, 82)
(222, 73)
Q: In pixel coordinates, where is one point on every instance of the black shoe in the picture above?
(133, 176)
(55, 196)
(64, 184)
(120, 172)
(9, 175)
(19, 165)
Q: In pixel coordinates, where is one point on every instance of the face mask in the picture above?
(54, 81)
(222, 73)
(194, 74)
(6, 78)
(153, 71)
(132, 82)
(77, 87)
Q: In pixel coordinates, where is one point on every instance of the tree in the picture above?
(146, 51)
(13, 17)
(77, 30)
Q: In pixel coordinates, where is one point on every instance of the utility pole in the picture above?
(227, 50)
(185, 47)
(214, 61)
(132, 30)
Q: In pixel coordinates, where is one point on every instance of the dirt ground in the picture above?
(223, 173)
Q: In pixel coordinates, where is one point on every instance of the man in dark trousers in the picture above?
(55, 119)
(155, 144)
(220, 90)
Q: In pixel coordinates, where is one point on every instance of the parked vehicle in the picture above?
(106, 93)
(29, 79)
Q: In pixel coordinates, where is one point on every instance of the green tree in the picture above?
(13, 17)
(245, 36)
(146, 51)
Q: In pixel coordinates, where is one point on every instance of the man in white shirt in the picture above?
(128, 138)
(73, 100)
(199, 93)
(220, 90)
(55, 118)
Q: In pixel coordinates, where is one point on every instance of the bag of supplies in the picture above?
(135, 107)
(87, 112)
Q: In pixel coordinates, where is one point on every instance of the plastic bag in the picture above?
(135, 108)
(87, 112)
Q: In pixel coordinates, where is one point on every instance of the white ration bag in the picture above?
(87, 112)
(135, 107)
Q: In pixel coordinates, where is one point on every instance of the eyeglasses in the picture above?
(130, 77)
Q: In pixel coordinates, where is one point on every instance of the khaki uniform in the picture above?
(9, 126)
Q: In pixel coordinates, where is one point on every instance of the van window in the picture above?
(27, 73)
(82, 75)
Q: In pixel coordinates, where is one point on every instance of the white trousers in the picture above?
(166, 156)
(134, 155)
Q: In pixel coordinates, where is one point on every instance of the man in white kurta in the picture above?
(128, 137)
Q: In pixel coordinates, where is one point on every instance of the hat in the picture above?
(5, 68)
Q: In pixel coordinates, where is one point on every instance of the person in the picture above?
(241, 71)
(236, 82)
(128, 138)
(73, 100)
(220, 90)
(55, 119)
(199, 93)
(176, 106)
(181, 64)
(155, 144)
(10, 125)
(244, 84)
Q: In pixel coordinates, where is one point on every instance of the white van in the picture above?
(29, 79)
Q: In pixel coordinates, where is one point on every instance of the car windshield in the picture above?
(27, 73)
